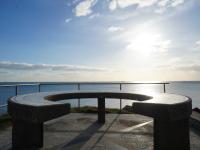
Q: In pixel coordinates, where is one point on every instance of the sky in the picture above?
(99, 40)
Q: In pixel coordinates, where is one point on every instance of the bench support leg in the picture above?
(27, 135)
(101, 110)
(171, 135)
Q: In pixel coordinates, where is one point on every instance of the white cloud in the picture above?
(163, 3)
(84, 8)
(197, 42)
(180, 63)
(125, 3)
(160, 10)
(115, 29)
(68, 20)
(75, 1)
(145, 3)
(176, 2)
(196, 46)
(192, 67)
(94, 15)
(177, 67)
(25, 66)
(114, 4)
(160, 5)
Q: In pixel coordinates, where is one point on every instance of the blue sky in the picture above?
(99, 40)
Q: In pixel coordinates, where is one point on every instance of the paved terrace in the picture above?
(78, 131)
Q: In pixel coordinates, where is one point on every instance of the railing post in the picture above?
(101, 110)
(120, 88)
(39, 87)
(79, 98)
(16, 89)
(164, 89)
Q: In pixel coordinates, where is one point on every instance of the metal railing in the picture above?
(79, 87)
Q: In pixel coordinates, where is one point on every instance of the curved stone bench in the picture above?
(170, 112)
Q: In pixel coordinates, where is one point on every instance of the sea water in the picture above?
(188, 88)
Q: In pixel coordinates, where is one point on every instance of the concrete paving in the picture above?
(78, 131)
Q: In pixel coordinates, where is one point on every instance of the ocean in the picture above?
(188, 88)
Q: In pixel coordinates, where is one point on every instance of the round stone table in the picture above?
(170, 112)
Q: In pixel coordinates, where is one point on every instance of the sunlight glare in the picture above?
(145, 43)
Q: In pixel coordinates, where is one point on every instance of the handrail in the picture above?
(73, 83)
(5, 105)
(19, 84)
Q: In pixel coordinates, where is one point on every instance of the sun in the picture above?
(144, 43)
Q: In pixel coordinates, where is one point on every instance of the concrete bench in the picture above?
(28, 113)
(171, 115)
(170, 112)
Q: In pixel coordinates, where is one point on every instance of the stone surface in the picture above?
(81, 132)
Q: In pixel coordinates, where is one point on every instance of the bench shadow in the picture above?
(102, 135)
(83, 137)
(79, 141)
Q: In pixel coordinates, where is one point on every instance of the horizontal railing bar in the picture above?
(73, 83)
(105, 83)
(29, 84)
(20, 84)
(3, 105)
